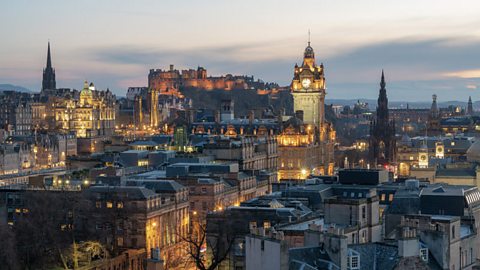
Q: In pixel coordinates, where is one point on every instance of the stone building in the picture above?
(253, 153)
(169, 82)
(90, 115)
(306, 141)
(137, 217)
(16, 112)
(416, 153)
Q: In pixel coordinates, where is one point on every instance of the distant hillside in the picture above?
(11, 87)
(372, 103)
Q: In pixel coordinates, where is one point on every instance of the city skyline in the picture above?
(424, 48)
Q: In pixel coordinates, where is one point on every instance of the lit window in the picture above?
(98, 204)
(266, 224)
(390, 197)
(120, 241)
(119, 204)
(109, 204)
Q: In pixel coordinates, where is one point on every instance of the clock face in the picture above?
(306, 83)
(439, 149)
(423, 158)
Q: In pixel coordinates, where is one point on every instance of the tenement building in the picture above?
(306, 141)
(15, 113)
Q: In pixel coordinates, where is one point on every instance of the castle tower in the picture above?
(48, 81)
(308, 89)
(227, 110)
(470, 106)
(382, 131)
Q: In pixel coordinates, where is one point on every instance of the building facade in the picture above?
(306, 141)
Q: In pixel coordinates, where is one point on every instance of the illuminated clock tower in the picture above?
(308, 89)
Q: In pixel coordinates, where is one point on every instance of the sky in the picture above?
(425, 47)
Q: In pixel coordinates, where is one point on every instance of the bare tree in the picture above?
(219, 246)
(8, 251)
(46, 228)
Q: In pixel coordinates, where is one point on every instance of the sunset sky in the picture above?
(425, 47)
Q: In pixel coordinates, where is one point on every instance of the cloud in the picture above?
(465, 74)
(471, 86)
(415, 67)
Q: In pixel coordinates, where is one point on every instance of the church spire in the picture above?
(308, 37)
(470, 106)
(49, 58)
(382, 81)
(382, 106)
(48, 81)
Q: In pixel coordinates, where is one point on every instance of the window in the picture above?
(266, 224)
(424, 254)
(353, 262)
(109, 204)
(98, 204)
(204, 190)
(382, 198)
(364, 212)
(204, 206)
(390, 197)
(120, 241)
(119, 204)
(453, 232)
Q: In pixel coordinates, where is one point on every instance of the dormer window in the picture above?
(353, 260)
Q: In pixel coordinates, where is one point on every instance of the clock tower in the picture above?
(308, 89)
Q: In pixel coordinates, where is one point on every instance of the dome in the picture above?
(309, 52)
(473, 152)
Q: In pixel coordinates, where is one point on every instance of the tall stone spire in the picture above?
(470, 106)
(48, 81)
(382, 146)
(382, 109)
(49, 58)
